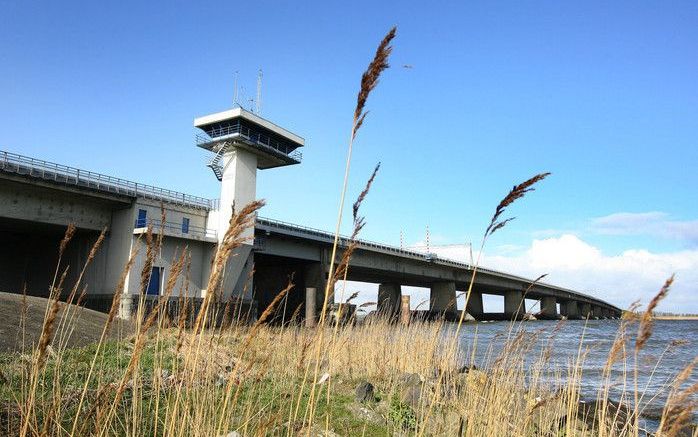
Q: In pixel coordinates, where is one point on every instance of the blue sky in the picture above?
(602, 95)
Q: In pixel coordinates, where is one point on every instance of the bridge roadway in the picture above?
(392, 267)
(35, 194)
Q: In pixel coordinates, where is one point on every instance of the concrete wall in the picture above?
(39, 204)
(169, 253)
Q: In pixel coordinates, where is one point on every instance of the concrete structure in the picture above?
(38, 199)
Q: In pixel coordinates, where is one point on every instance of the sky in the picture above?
(480, 96)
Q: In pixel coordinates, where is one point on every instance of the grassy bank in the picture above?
(258, 381)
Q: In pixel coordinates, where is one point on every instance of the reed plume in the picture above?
(232, 239)
(647, 322)
(49, 324)
(516, 193)
(370, 78)
(69, 233)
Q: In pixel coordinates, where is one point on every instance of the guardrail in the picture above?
(63, 174)
(429, 257)
(174, 228)
(251, 136)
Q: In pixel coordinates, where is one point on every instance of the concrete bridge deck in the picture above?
(39, 196)
(393, 267)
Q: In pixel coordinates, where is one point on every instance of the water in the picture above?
(673, 346)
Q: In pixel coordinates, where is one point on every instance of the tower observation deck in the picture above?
(273, 145)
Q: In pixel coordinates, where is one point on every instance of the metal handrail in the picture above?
(256, 138)
(175, 228)
(344, 241)
(20, 164)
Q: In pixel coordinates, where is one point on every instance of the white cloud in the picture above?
(621, 279)
(654, 223)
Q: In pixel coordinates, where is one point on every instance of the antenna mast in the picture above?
(235, 91)
(428, 242)
(258, 102)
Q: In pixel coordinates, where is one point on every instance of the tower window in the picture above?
(142, 218)
(185, 225)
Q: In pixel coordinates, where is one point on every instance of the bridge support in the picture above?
(405, 311)
(315, 282)
(514, 304)
(597, 312)
(442, 297)
(570, 309)
(474, 306)
(389, 299)
(586, 311)
(548, 308)
(310, 301)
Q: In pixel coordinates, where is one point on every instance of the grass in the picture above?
(170, 379)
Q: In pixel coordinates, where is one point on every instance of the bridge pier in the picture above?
(442, 297)
(570, 309)
(597, 311)
(315, 276)
(514, 304)
(474, 305)
(548, 308)
(586, 311)
(389, 299)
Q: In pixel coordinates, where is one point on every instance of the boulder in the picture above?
(410, 389)
(364, 392)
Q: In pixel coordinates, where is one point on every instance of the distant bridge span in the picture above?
(392, 267)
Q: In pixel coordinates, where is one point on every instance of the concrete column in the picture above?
(310, 301)
(442, 297)
(315, 276)
(474, 305)
(570, 309)
(238, 187)
(405, 311)
(586, 310)
(548, 307)
(389, 299)
(514, 304)
(606, 313)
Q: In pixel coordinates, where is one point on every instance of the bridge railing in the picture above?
(345, 240)
(176, 228)
(63, 174)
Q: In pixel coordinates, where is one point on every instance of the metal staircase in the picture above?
(215, 162)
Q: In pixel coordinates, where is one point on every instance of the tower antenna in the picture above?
(428, 242)
(235, 91)
(258, 102)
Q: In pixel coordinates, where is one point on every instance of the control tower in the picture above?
(242, 142)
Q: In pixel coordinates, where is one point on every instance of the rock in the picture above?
(588, 412)
(467, 369)
(366, 413)
(410, 389)
(410, 379)
(364, 392)
(231, 434)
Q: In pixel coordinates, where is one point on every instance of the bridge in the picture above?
(38, 199)
(282, 248)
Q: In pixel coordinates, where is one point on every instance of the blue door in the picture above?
(154, 284)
